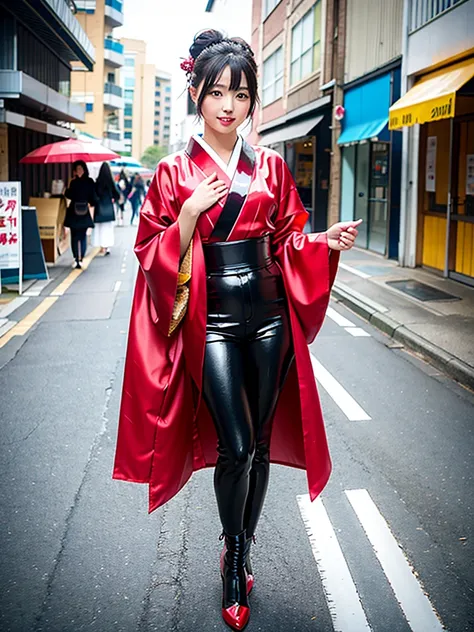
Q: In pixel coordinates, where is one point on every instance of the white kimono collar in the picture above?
(231, 167)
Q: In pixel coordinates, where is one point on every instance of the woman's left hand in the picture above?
(341, 236)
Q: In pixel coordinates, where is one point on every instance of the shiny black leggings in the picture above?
(248, 354)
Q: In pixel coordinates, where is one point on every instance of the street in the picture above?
(387, 548)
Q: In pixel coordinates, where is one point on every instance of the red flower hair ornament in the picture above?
(187, 65)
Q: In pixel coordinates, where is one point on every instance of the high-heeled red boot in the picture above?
(248, 564)
(235, 605)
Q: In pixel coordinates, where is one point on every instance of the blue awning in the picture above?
(366, 113)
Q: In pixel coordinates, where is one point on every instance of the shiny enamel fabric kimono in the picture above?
(165, 430)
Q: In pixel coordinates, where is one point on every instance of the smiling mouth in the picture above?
(226, 119)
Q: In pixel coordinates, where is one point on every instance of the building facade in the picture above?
(100, 89)
(436, 114)
(138, 84)
(371, 153)
(299, 45)
(162, 111)
(38, 47)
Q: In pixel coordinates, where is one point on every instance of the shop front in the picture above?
(442, 102)
(304, 146)
(371, 155)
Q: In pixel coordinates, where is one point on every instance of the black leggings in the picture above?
(79, 243)
(248, 354)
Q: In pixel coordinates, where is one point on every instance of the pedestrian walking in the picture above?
(136, 196)
(125, 188)
(104, 217)
(229, 293)
(81, 193)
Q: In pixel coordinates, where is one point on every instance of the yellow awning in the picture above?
(432, 98)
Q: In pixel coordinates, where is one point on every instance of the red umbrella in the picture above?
(70, 150)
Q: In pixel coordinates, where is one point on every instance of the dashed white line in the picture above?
(413, 601)
(339, 319)
(359, 273)
(338, 393)
(358, 332)
(341, 594)
(117, 286)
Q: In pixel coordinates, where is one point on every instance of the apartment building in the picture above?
(138, 84)
(162, 111)
(100, 89)
(38, 46)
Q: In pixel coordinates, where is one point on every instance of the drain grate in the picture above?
(421, 291)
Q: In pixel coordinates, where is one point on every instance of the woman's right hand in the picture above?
(205, 195)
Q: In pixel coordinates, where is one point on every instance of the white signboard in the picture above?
(10, 227)
(470, 175)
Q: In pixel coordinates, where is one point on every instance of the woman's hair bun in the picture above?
(204, 39)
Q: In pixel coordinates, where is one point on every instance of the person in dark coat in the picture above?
(136, 196)
(104, 217)
(81, 192)
(125, 187)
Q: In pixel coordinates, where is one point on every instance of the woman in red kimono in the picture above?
(236, 373)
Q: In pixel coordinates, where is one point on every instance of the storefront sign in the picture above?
(430, 185)
(10, 225)
(470, 174)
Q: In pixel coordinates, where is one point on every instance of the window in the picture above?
(157, 112)
(128, 110)
(157, 83)
(129, 82)
(127, 135)
(128, 95)
(168, 89)
(110, 77)
(423, 11)
(157, 93)
(130, 61)
(273, 77)
(127, 123)
(269, 6)
(156, 132)
(167, 108)
(306, 45)
(89, 107)
(167, 99)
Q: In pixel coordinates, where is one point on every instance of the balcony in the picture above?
(114, 13)
(113, 99)
(113, 139)
(113, 52)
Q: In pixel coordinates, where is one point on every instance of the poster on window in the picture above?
(10, 228)
(431, 165)
(470, 174)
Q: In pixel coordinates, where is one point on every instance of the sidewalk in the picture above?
(440, 328)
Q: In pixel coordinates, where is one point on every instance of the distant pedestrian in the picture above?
(81, 192)
(136, 196)
(125, 187)
(104, 217)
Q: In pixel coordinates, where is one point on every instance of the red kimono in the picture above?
(165, 430)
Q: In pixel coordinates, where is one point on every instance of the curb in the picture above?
(375, 315)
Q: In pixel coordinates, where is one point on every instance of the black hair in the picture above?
(212, 52)
(105, 182)
(81, 163)
(123, 175)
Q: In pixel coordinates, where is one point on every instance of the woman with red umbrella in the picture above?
(81, 192)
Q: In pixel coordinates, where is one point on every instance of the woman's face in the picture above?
(79, 171)
(223, 109)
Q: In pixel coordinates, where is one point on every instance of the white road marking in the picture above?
(10, 307)
(117, 286)
(338, 393)
(413, 601)
(357, 332)
(339, 319)
(359, 273)
(341, 594)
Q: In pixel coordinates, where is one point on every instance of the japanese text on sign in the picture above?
(10, 229)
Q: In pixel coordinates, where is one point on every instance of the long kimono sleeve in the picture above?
(158, 246)
(308, 265)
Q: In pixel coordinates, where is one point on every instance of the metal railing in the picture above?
(114, 45)
(112, 88)
(423, 11)
(115, 4)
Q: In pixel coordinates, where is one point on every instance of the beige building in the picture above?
(162, 112)
(99, 90)
(137, 79)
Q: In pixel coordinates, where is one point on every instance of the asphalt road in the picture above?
(387, 548)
